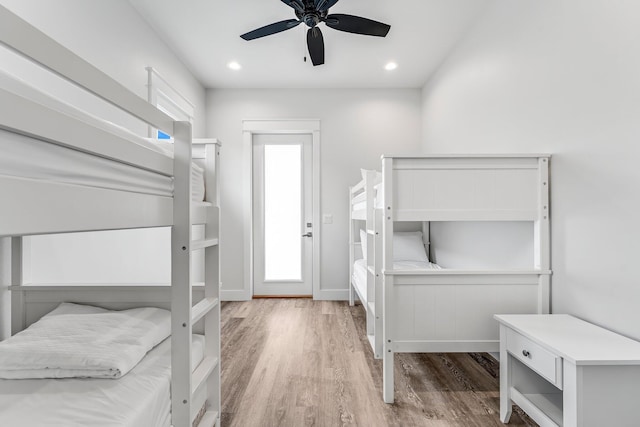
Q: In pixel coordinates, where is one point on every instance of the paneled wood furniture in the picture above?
(563, 371)
(448, 309)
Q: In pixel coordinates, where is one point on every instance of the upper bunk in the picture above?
(65, 170)
(363, 196)
(456, 187)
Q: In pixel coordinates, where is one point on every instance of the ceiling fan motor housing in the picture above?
(311, 17)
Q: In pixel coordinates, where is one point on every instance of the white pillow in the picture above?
(408, 246)
(73, 308)
(363, 242)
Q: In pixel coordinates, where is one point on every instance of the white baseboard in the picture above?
(332, 295)
(324, 295)
(234, 295)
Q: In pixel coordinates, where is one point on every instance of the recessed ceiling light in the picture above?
(234, 65)
(391, 66)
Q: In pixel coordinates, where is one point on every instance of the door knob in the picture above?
(309, 234)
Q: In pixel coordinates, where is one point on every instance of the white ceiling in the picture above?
(205, 34)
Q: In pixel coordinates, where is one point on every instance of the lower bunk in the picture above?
(140, 398)
(434, 309)
(451, 311)
(84, 365)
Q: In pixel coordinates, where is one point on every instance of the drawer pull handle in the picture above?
(525, 353)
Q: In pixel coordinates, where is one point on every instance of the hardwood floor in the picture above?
(299, 362)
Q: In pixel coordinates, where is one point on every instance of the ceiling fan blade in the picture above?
(357, 25)
(322, 5)
(296, 4)
(274, 28)
(315, 43)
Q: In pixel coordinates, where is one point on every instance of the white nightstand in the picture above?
(563, 371)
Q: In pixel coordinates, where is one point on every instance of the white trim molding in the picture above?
(332, 295)
(235, 295)
(280, 126)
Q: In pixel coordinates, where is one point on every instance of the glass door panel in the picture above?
(282, 212)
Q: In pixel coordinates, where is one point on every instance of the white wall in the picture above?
(483, 245)
(357, 126)
(559, 76)
(112, 36)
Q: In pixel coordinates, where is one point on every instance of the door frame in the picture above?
(274, 127)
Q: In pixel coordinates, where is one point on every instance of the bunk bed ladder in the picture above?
(189, 388)
(377, 296)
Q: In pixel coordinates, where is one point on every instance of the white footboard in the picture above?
(449, 311)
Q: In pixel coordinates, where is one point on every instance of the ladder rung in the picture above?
(209, 419)
(202, 372)
(201, 244)
(203, 307)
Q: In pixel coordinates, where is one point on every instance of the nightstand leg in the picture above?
(505, 379)
(387, 375)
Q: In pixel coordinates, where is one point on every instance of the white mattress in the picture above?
(415, 265)
(32, 158)
(359, 279)
(139, 399)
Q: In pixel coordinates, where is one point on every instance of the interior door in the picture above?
(282, 215)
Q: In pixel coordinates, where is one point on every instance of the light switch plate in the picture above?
(327, 219)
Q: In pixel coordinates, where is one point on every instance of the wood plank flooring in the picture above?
(299, 362)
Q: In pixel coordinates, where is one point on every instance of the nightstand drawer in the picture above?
(536, 357)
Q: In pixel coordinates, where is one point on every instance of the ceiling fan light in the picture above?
(390, 66)
(234, 65)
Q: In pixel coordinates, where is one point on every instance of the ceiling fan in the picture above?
(313, 12)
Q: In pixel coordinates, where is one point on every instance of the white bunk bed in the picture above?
(444, 309)
(109, 179)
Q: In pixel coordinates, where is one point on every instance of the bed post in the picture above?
(181, 327)
(212, 287)
(542, 239)
(387, 282)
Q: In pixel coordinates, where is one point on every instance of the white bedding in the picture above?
(83, 341)
(139, 399)
(32, 158)
(415, 265)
